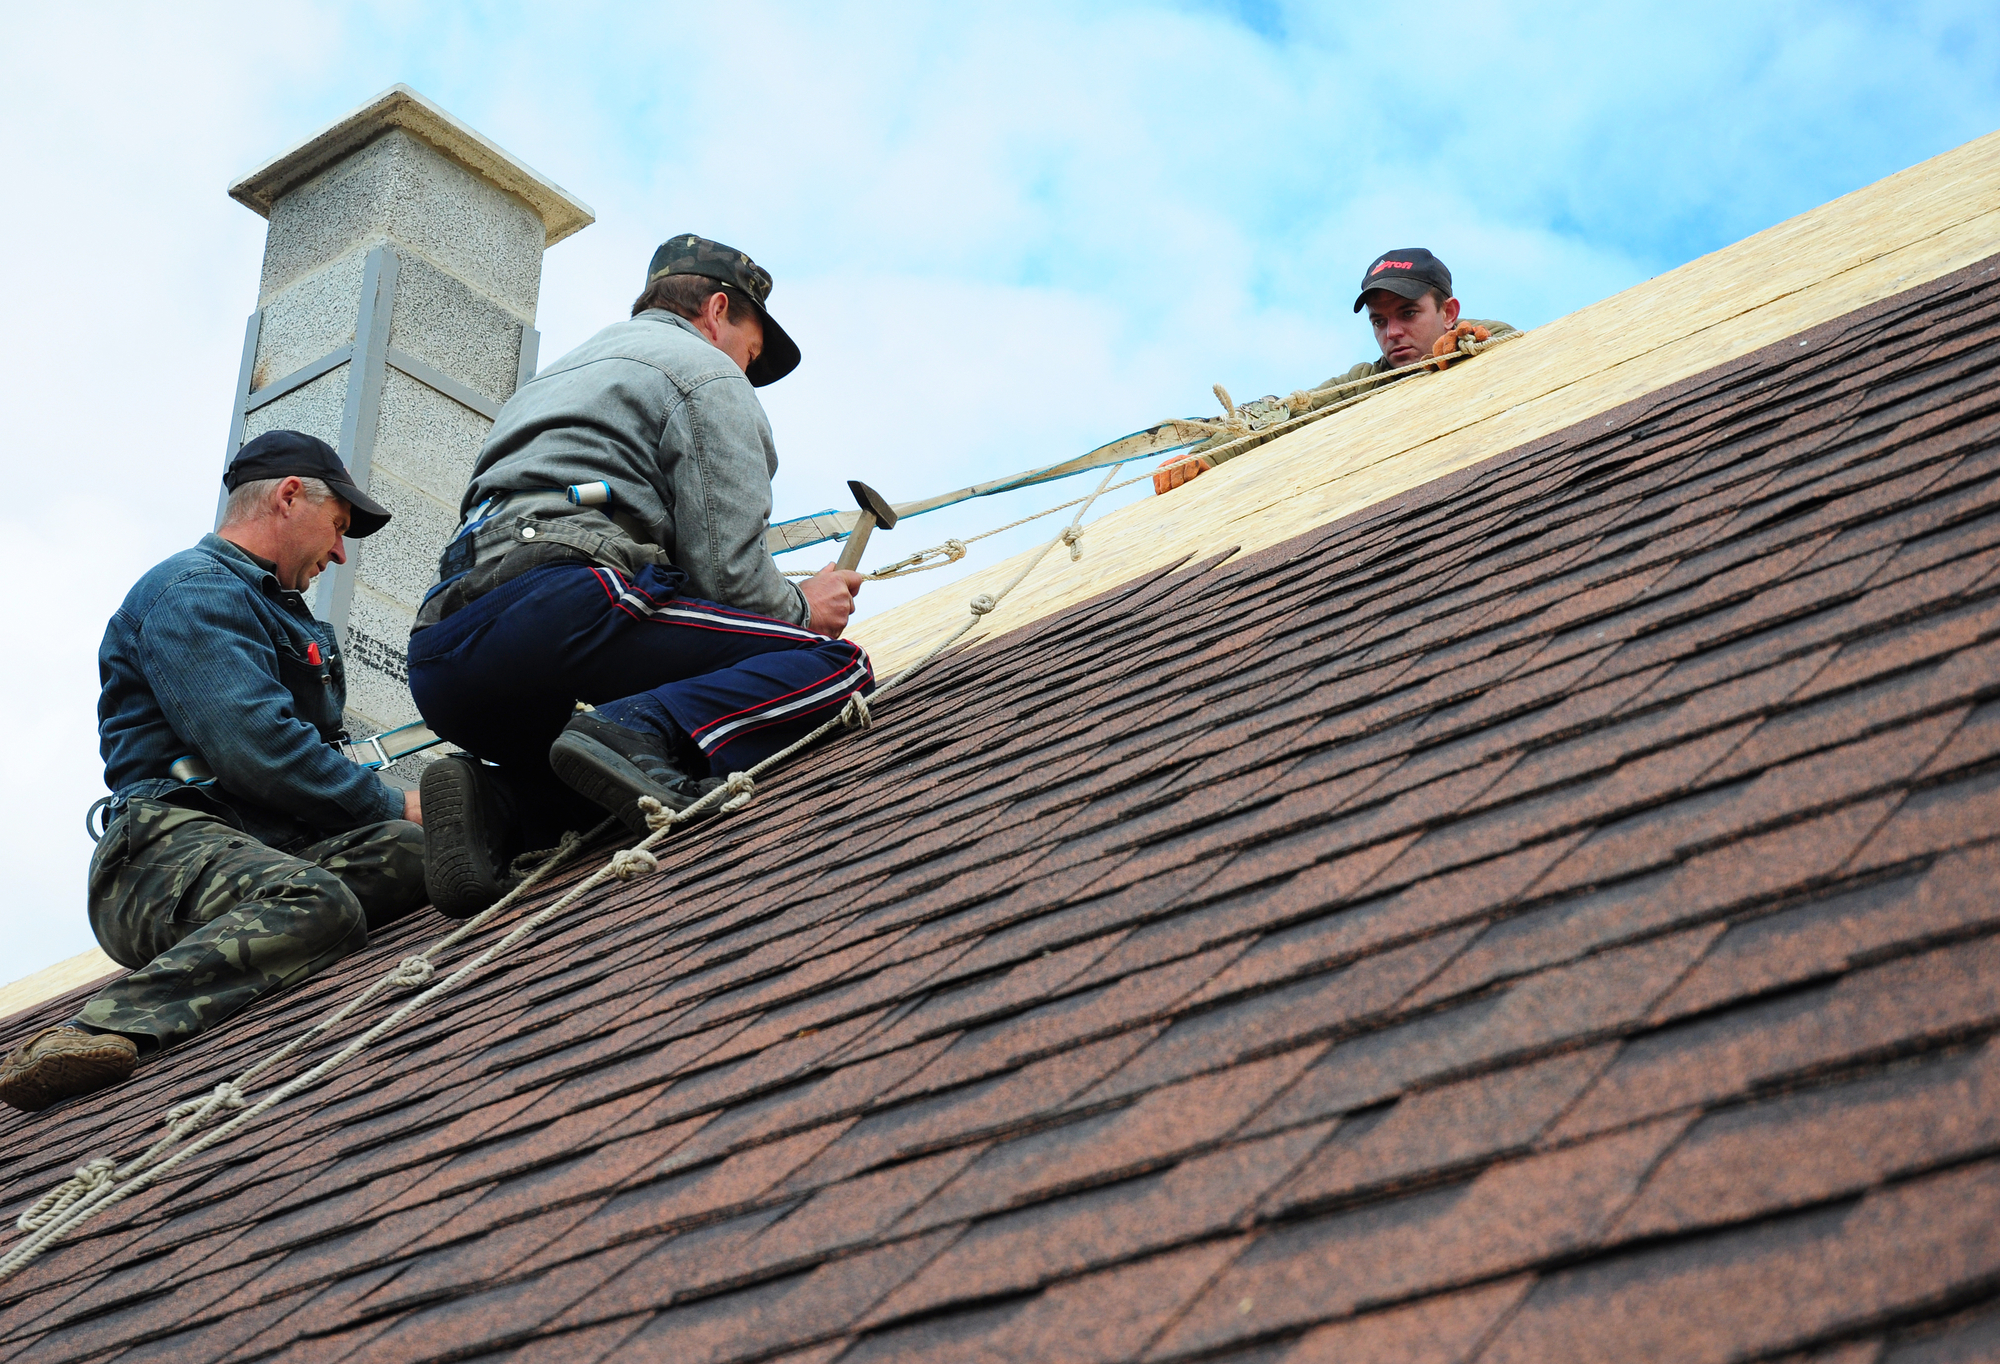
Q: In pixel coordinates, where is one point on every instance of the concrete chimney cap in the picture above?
(401, 107)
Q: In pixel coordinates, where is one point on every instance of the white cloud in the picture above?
(1001, 234)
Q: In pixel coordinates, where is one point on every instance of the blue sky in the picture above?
(1001, 234)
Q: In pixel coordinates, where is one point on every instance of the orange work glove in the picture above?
(1448, 343)
(1166, 479)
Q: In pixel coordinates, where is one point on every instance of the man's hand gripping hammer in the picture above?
(830, 593)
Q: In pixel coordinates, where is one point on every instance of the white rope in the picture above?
(412, 972)
(1304, 406)
(87, 1179)
(101, 1183)
(630, 863)
(196, 1112)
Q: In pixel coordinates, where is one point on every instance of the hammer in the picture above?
(875, 511)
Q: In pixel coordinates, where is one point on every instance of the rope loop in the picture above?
(855, 714)
(657, 815)
(196, 1112)
(981, 604)
(741, 790)
(1072, 534)
(411, 972)
(528, 862)
(631, 863)
(87, 1180)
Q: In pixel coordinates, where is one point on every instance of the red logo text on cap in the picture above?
(1382, 265)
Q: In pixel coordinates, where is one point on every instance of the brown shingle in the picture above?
(1199, 1198)
(1513, 1216)
(1445, 1329)
(1770, 1286)
(1600, 995)
(1800, 1149)
(1837, 930)
(1096, 1319)
(1938, 995)
(1471, 1122)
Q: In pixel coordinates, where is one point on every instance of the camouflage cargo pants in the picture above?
(210, 919)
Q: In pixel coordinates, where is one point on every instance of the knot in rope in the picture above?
(981, 604)
(954, 550)
(1299, 403)
(1072, 533)
(629, 863)
(87, 1180)
(411, 972)
(1235, 421)
(567, 844)
(657, 815)
(741, 789)
(855, 714)
(195, 1111)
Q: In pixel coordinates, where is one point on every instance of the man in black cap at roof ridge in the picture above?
(244, 851)
(1407, 293)
(611, 555)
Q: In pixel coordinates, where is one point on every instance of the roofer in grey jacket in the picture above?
(611, 552)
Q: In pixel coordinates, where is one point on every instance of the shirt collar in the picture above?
(252, 568)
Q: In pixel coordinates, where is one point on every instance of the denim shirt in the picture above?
(669, 421)
(208, 656)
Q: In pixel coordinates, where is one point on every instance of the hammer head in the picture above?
(873, 502)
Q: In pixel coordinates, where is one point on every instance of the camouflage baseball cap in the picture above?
(688, 254)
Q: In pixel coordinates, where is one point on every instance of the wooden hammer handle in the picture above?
(857, 542)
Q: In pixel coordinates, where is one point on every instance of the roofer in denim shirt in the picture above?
(244, 852)
(611, 552)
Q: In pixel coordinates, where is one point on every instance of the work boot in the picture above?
(465, 836)
(61, 1062)
(614, 766)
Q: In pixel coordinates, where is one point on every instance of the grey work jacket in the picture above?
(669, 421)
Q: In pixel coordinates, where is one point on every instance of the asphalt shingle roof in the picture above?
(1548, 916)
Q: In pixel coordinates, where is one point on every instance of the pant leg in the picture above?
(381, 864)
(225, 919)
(501, 677)
(740, 685)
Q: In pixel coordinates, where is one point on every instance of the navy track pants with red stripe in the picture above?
(501, 676)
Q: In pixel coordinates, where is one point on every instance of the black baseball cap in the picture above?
(688, 254)
(1409, 271)
(288, 454)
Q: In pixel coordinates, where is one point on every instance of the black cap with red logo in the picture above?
(1408, 271)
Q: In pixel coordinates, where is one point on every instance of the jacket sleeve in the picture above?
(215, 674)
(718, 452)
(1358, 372)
